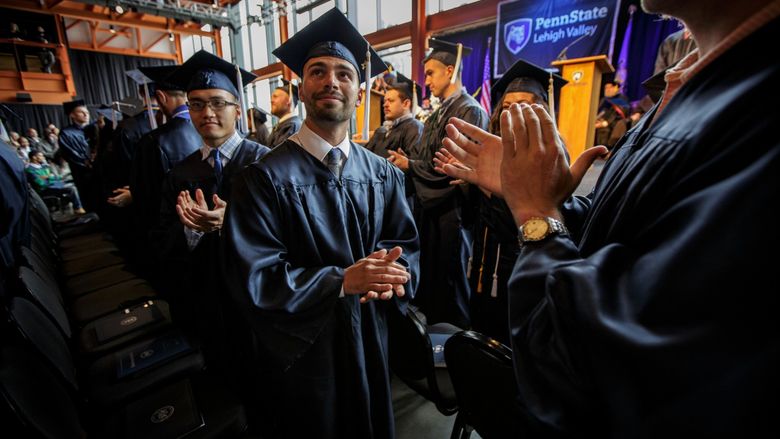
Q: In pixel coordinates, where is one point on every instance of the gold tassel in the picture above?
(482, 264)
(494, 290)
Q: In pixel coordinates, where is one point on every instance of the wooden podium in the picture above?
(579, 100)
(376, 115)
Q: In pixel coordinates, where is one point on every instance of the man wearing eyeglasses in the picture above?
(194, 197)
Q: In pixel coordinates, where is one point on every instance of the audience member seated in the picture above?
(45, 182)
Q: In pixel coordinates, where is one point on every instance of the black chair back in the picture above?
(34, 403)
(412, 360)
(483, 376)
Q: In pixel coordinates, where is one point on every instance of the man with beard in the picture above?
(655, 313)
(320, 248)
(284, 102)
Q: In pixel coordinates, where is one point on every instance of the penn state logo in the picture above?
(162, 414)
(577, 76)
(128, 321)
(517, 33)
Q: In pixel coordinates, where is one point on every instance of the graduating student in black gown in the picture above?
(442, 209)
(400, 129)
(655, 315)
(194, 197)
(284, 105)
(76, 146)
(320, 247)
(158, 152)
(14, 209)
(495, 235)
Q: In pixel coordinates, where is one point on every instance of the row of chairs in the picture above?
(461, 372)
(89, 348)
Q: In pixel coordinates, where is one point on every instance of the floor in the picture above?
(418, 418)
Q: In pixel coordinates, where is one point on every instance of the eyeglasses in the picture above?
(214, 104)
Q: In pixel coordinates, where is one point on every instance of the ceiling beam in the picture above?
(73, 23)
(148, 22)
(154, 43)
(472, 14)
(124, 51)
(391, 36)
(269, 71)
(119, 32)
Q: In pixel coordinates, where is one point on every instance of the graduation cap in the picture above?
(204, 71)
(260, 115)
(409, 88)
(130, 106)
(158, 75)
(526, 77)
(655, 85)
(72, 105)
(449, 54)
(610, 78)
(109, 112)
(330, 35)
(148, 85)
(291, 89)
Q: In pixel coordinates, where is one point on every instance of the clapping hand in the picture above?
(196, 215)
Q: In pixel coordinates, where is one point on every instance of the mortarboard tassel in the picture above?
(414, 99)
(482, 262)
(242, 126)
(149, 113)
(458, 60)
(494, 289)
(114, 109)
(551, 103)
(367, 97)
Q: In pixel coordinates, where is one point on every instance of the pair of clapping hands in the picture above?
(526, 166)
(378, 276)
(196, 214)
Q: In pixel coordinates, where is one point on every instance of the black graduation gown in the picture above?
(405, 135)
(663, 320)
(157, 152)
(283, 130)
(445, 239)
(126, 138)
(76, 149)
(494, 254)
(192, 279)
(14, 206)
(291, 231)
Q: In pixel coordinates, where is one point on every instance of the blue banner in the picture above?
(539, 31)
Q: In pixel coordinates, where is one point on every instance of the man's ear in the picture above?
(361, 93)
(162, 98)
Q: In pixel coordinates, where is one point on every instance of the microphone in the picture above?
(562, 56)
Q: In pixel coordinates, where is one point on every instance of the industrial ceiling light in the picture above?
(111, 29)
(119, 9)
(170, 36)
(215, 4)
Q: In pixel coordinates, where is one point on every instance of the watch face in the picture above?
(535, 229)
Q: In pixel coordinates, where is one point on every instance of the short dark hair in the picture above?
(33, 153)
(403, 91)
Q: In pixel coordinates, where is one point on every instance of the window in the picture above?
(394, 12)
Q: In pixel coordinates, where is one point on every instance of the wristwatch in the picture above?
(537, 228)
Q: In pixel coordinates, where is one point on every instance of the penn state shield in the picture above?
(517, 33)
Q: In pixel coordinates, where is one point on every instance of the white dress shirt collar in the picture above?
(315, 145)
